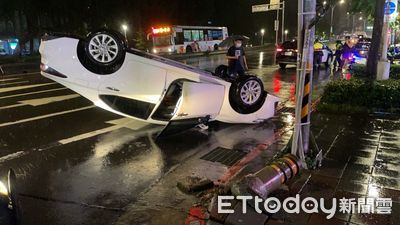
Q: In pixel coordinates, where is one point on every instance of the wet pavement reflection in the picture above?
(276, 81)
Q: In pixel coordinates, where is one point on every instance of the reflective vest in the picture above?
(318, 46)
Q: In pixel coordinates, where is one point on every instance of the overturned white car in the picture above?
(150, 88)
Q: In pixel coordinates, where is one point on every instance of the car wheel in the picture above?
(189, 49)
(221, 71)
(282, 65)
(247, 94)
(103, 52)
(216, 47)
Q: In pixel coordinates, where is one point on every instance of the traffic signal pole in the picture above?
(306, 34)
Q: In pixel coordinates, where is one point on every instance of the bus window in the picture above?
(179, 39)
(210, 35)
(201, 35)
(187, 35)
(195, 35)
(217, 35)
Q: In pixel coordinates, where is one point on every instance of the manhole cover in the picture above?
(225, 156)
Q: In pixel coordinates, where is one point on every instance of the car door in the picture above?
(137, 80)
(199, 103)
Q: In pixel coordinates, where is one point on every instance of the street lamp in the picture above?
(286, 33)
(125, 28)
(332, 11)
(262, 36)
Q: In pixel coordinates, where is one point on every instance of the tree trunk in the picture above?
(374, 52)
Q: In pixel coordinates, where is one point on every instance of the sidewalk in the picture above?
(361, 160)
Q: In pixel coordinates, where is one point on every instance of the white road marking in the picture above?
(10, 79)
(44, 101)
(11, 83)
(118, 123)
(2, 90)
(41, 101)
(22, 74)
(32, 93)
(45, 116)
(12, 106)
(89, 134)
(12, 156)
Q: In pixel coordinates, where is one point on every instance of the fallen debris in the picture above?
(195, 184)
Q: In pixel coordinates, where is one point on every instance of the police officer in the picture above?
(318, 46)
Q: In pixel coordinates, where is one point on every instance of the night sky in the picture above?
(235, 14)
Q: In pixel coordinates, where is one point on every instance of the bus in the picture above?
(186, 39)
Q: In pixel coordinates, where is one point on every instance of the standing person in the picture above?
(237, 63)
(318, 46)
(347, 53)
(338, 54)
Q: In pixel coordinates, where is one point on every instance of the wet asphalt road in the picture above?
(78, 164)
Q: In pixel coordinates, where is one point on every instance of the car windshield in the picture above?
(162, 41)
(289, 45)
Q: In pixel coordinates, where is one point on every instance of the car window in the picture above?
(362, 45)
(289, 45)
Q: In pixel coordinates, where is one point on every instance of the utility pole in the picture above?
(277, 28)
(283, 21)
(301, 136)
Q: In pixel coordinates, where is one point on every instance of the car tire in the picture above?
(221, 71)
(216, 47)
(189, 49)
(102, 52)
(247, 94)
(282, 65)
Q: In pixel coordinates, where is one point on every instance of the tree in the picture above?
(374, 52)
(376, 9)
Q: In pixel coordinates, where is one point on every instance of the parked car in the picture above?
(286, 54)
(362, 47)
(148, 87)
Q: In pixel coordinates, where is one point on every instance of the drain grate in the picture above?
(225, 156)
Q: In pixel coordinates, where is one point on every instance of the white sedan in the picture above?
(150, 88)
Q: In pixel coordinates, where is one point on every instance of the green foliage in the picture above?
(365, 6)
(358, 71)
(358, 93)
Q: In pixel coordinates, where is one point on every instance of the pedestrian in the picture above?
(338, 53)
(347, 53)
(237, 63)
